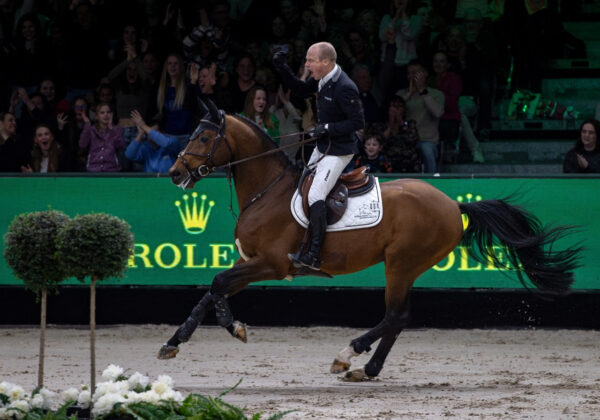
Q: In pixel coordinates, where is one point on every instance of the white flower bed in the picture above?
(15, 402)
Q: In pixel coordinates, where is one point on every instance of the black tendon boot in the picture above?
(317, 227)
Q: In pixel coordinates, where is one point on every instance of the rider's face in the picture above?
(319, 67)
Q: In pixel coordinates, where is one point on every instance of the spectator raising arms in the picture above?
(256, 108)
(425, 106)
(103, 139)
(151, 148)
(585, 156)
(131, 90)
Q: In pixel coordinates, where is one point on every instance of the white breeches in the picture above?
(329, 169)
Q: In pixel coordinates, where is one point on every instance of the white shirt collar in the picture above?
(329, 76)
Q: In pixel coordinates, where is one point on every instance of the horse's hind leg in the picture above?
(375, 364)
(388, 330)
(397, 316)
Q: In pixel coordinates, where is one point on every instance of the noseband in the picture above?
(206, 169)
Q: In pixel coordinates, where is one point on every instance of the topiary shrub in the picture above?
(96, 245)
(30, 250)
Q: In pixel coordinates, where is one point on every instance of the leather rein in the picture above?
(209, 167)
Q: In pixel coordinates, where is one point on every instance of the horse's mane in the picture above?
(266, 140)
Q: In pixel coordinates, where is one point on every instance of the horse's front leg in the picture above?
(224, 284)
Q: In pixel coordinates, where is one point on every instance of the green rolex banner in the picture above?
(186, 237)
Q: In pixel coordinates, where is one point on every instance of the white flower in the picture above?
(166, 379)
(162, 385)
(37, 401)
(112, 372)
(84, 399)
(16, 392)
(104, 388)
(105, 403)
(5, 387)
(137, 379)
(4, 414)
(149, 396)
(70, 394)
(171, 395)
(50, 398)
(18, 408)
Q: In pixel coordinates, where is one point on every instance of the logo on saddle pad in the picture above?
(467, 198)
(194, 217)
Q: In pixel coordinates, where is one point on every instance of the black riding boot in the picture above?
(317, 227)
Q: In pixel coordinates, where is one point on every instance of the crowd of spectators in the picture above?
(106, 86)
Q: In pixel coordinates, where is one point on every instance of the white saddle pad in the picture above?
(363, 211)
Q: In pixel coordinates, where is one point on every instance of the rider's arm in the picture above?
(301, 88)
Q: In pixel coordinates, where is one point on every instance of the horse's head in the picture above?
(206, 150)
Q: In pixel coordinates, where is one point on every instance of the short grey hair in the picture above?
(325, 50)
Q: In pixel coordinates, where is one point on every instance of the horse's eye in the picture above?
(204, 139)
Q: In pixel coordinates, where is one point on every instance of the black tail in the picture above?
(528, 244)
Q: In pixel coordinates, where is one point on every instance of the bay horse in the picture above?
(419, 228)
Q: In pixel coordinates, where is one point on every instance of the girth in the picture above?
(354, 183)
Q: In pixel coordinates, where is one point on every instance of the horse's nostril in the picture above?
(174, 173)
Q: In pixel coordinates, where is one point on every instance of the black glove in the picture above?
(279, 59)
(319, 131)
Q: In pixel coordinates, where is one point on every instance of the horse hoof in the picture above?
(338, 366)
(167, 352)
(240, 332)
(356, 375)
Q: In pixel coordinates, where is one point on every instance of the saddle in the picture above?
(351, 184)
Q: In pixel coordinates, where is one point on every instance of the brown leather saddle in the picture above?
(351, 184)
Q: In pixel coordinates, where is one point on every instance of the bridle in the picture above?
(209, 167)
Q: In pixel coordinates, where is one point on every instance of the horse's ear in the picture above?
(215, 115)
(204, 111)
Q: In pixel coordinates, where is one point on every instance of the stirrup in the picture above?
(306, 260)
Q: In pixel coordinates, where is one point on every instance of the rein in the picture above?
(205, 170)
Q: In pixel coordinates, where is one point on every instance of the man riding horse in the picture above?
(340, 115)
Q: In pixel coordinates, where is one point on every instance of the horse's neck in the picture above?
(255, 175)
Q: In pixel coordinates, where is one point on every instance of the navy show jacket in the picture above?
(338, 106)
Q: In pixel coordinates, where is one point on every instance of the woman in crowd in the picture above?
(47, 155)
(71, 131)
(244, 68)
(103, 139)
(398, 34)
(129, 39)
(33, 56)
(450, 84)
(585, 156)
(400, 138)
(13, 150)
(256, 108)
(289, 121)
(132, 92)
(176, 101)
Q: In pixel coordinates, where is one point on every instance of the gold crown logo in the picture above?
(468, 198)
(194, 219)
